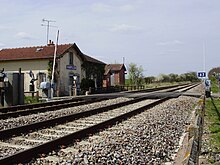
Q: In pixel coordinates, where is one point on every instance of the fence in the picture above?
(112, 89)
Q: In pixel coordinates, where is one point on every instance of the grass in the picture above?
(215, 88)
(30, 100)
(213, 117)
(214, 85)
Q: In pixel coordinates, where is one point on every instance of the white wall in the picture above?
(64, 73)
(26, 65)
(41, 65)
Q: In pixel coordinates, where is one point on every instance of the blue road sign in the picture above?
(201, 74)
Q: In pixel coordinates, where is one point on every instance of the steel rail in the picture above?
(156, 89)
(47, 108)
(28, 154)
(185, 87)
(59, 120)
(51, 106)
(37, 105)
(81, 98)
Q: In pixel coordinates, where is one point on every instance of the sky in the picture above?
(161, 36)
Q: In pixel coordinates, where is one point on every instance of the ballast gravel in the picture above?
(151, 137)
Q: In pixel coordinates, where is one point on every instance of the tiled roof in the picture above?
(113, 67)
(42, 52)
(38, 52)
(93, 60)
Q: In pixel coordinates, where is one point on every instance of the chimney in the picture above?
(50, 43)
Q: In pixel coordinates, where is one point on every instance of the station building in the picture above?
(36, 63)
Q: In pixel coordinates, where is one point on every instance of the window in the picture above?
(41, 77)
(71, 80)
(71, 58)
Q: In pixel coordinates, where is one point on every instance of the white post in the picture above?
(204, 60)
(74, 85)
(204, 56)
(54, 62)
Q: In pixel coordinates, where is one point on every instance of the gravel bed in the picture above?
(4, 150)
(23, 120)
(151, 137)
(48, 134)
(197, 89)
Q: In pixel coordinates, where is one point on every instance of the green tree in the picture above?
(149, 80)
(165, 78)
(173, 77)
(94, 69)
(191, 76)
(135, 74)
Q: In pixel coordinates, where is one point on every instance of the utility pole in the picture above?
(204, 56)
(48, 26)
(54, 62)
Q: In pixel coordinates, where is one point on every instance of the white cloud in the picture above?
(24, 35)
(100, 7)
(174, 42)
(124, 28)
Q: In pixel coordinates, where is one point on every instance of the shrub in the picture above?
(86, 84)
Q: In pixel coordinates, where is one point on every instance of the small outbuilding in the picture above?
(114, 75)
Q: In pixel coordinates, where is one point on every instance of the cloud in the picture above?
(124, 28)
(24, 35)
(100, 7)
(174, 42)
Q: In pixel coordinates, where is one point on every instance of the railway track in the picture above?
(74, 100)
(22, 110)
(37, 105)
(42, 137)
(77, 100)
(45, 107)
(66, 104)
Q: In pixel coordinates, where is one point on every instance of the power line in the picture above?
(48, 26)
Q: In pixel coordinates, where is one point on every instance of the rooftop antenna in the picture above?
(48, 26)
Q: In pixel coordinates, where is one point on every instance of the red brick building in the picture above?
(114, 75)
